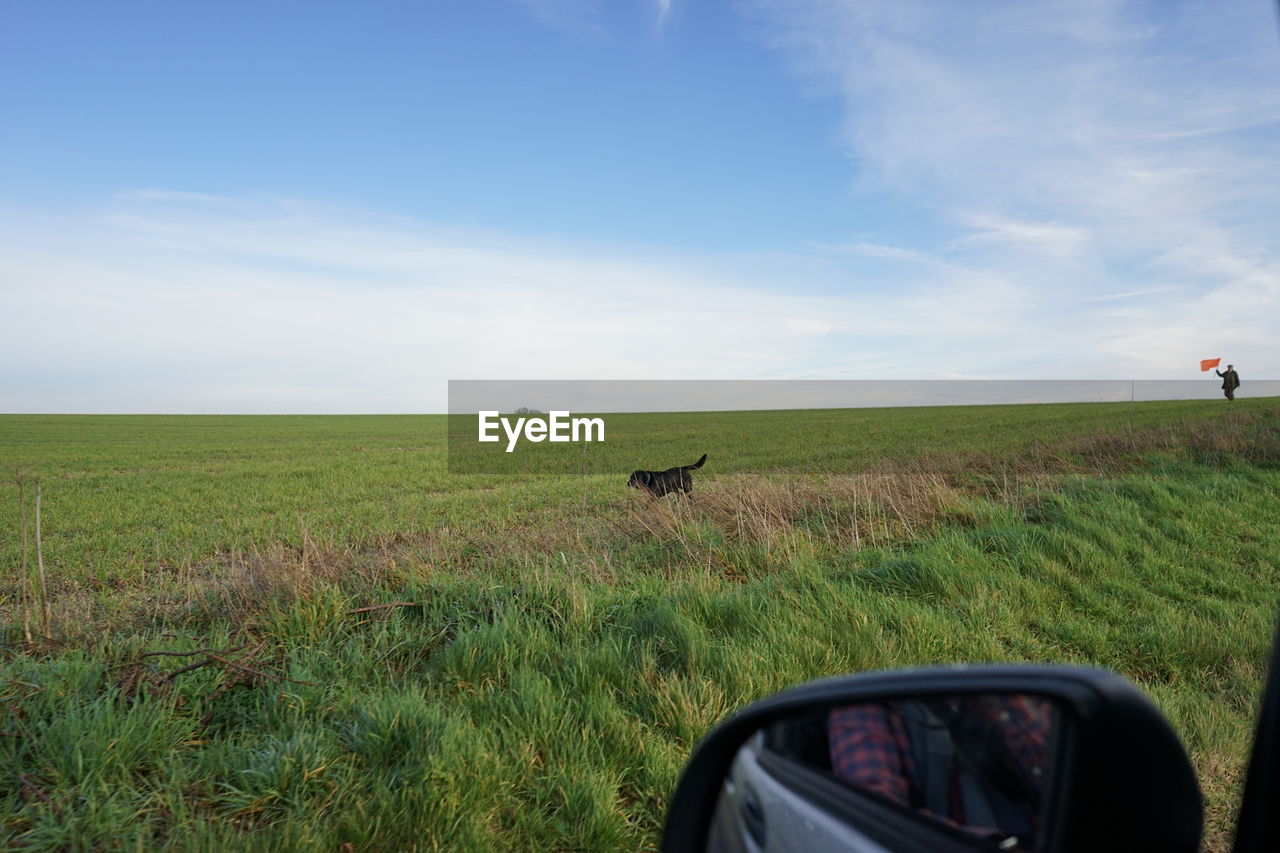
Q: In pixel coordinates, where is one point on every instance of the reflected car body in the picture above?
(756, 813)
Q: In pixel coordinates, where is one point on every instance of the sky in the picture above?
(338, 206)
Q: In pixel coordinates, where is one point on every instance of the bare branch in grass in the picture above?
(193, 653)
(374, 607)
(32, 789)
(239, 668)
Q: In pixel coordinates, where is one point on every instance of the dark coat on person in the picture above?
(1230, 379)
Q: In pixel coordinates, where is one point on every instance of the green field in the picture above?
(569, 640)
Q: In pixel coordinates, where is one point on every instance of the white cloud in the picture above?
(170, 302)
(163, 306)
(1046, 238)
(1081, 153)
(877, 250)
(581, 17)
(1107, 297)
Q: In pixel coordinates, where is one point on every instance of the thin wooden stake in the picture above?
(44, 583)
(28, 596)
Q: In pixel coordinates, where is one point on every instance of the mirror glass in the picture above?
(977, 766)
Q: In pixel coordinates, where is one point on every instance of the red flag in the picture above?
(1209, 364)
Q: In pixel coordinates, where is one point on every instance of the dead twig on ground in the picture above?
(30, 788)
(240, 667)
(193, 653)
(373, 607)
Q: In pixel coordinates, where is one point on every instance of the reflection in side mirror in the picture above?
(972, 767)
(1055, 759)
(977, 763)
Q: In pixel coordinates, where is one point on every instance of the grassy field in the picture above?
(569, 641)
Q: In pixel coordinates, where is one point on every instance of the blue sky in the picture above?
(338, 206)
(594, 122)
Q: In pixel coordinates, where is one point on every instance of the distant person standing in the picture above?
(1230, 381)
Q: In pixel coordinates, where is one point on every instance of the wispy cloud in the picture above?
(1107, 297)
(878, 250)
(581, 17)
(1046, 238)
(1082, 151)
(169, 302)
(172, 302)
(154, 194)
(663, 8)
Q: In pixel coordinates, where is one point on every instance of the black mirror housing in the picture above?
(1125, 782)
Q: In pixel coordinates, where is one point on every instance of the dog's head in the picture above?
(640, 479)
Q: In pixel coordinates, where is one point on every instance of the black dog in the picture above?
(659, 483)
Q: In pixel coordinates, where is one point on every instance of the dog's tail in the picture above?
(697, 464)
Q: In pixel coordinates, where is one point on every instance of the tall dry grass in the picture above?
(891, 501)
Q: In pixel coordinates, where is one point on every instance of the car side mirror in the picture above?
(996, 757)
